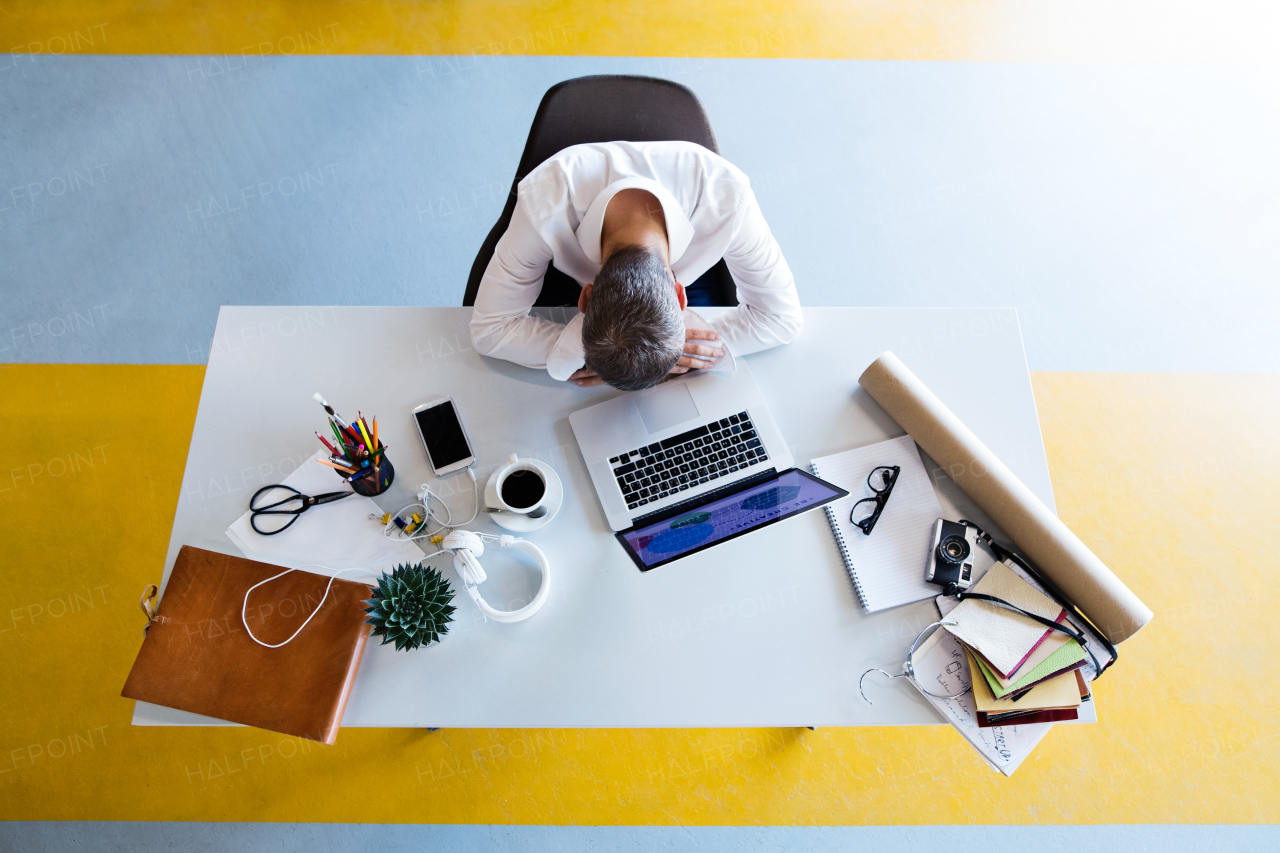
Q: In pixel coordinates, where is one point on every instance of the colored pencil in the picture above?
(332, 449)
(358, 451)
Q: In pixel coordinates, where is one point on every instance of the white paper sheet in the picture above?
(941, 667)
(339, 535)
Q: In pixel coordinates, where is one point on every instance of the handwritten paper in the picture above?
(941, 668)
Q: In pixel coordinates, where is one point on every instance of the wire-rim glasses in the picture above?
(866, 512)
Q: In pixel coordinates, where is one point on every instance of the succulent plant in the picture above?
(410, 607)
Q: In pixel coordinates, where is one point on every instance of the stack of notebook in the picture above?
(1023, 671)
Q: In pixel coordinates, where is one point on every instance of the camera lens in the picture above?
(953, 549)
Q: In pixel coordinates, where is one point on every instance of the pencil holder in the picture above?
(376, 483)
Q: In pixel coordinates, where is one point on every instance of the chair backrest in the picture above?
(602, 108)
(610, 107)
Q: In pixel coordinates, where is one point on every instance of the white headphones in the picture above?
(467, 547)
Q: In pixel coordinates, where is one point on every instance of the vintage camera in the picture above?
(951, 554)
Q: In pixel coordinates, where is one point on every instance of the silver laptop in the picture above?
(653, 449)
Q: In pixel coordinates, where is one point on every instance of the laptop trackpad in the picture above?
(666, 407)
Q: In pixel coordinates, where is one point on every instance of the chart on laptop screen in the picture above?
(678, 535)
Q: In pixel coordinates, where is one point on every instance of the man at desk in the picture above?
(631, 221)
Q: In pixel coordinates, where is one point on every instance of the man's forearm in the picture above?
(525, 340)
(749, 329)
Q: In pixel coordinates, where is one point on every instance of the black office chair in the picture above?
(603, 108)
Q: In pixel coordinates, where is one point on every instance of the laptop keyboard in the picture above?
(675, 464)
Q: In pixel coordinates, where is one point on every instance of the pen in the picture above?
(361, 473)
(336, 465)
(363, 432)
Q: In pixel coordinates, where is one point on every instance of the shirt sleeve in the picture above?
(501, 325)
(769, 312)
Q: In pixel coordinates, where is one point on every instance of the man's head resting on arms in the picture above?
(633, 330)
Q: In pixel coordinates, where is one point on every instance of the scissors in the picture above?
(295, 504)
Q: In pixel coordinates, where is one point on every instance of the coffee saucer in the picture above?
(515, 522)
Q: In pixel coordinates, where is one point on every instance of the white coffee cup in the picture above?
(521, 488)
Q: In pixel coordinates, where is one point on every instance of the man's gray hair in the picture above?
(633, 333)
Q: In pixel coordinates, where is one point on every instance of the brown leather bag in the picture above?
(197, 657)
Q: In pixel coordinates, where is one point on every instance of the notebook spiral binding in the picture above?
(844, 550)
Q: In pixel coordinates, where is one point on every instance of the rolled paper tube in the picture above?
(1033, 527)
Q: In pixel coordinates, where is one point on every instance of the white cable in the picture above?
(475, 496)
(244, 619)
(428, 515)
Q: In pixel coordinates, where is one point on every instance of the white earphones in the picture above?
(467, 548)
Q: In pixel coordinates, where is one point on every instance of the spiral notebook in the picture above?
(887, 567)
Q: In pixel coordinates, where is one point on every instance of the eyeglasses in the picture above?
(866, 512)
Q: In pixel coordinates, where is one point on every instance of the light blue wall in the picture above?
(1131, 214)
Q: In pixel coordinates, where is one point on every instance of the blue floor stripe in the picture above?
(144, 837)
(1129, 212)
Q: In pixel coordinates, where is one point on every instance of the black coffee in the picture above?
(522, 489)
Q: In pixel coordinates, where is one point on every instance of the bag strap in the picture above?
(1002, 553)
(1048, 623)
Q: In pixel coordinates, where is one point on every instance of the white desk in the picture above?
(764, 630)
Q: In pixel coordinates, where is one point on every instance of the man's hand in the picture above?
(696, 355)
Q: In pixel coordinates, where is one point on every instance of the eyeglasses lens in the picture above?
(863, 510)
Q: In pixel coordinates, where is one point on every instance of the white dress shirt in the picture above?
(711, 213)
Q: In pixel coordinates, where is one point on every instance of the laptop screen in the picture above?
(724, 514)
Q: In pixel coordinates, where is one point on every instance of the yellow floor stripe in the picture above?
(1171, 478)
(1230, 31)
